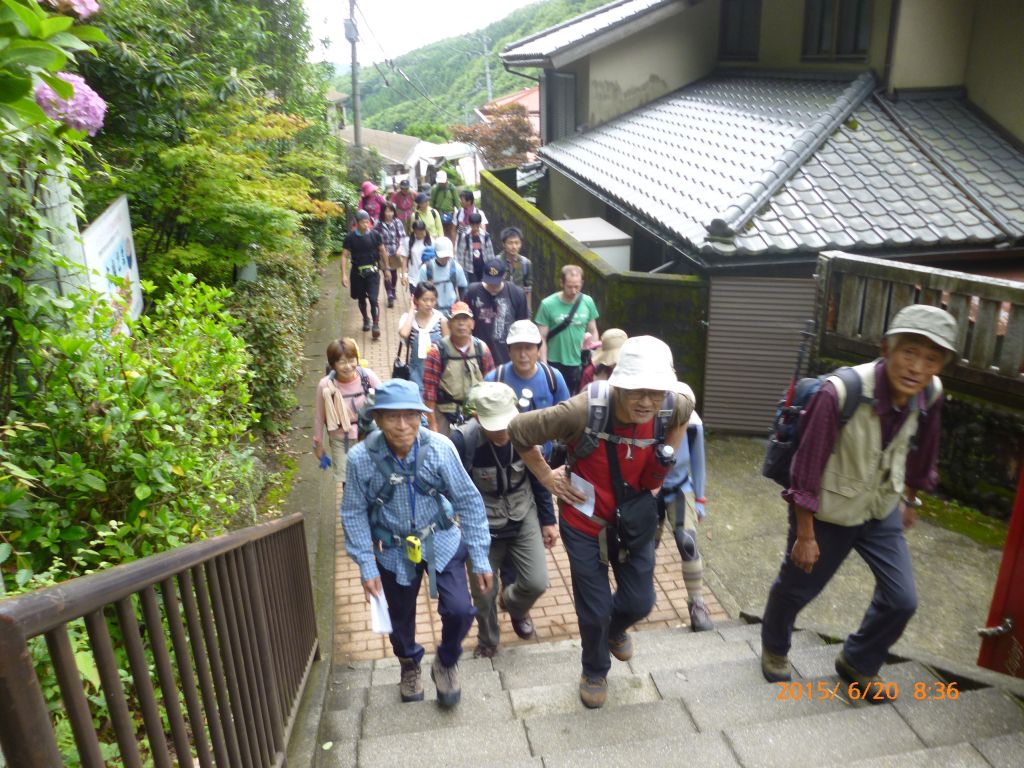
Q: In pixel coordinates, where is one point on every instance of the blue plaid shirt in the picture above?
(436, 464)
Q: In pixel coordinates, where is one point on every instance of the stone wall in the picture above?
(671, 307)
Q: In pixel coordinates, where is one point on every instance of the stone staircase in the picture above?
(684, 699)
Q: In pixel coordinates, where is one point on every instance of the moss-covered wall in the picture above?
(671, 307)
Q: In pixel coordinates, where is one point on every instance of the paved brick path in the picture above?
(553, 615)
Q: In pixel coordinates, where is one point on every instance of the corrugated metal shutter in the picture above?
(754, 329)
(561, 104)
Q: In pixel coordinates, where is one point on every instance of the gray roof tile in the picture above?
(683, 160)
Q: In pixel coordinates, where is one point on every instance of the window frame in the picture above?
(837, 27)
(752, 7)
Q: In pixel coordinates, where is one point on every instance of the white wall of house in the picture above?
(646, 66)
(995, 68)
(933, 40)
(569, 201)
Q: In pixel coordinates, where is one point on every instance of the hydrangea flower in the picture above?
(83, 9)
(83, 111)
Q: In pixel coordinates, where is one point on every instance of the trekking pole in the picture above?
(802, 353)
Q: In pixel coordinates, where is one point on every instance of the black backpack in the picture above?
(785, 435)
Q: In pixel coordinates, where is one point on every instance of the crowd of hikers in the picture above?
(508, 425)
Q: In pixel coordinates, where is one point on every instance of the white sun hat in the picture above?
(644, 363)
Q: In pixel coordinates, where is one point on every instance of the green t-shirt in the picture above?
(565, 347)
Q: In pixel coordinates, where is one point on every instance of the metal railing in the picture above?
(229, 639)
(858, 296)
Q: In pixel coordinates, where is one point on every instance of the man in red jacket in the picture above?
(626, 444)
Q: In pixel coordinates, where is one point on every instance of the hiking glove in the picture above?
(325, 461)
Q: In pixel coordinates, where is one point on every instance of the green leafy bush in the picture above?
(119, 446)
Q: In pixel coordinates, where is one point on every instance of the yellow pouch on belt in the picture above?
(413, 549)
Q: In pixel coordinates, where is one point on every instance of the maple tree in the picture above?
(506, 140)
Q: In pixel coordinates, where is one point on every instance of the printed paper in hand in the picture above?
(380, 619)
(587, 489)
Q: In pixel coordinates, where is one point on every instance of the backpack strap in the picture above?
(499, 374)
(466, 438)
(364, 380)
(849, 391)
(550, 376)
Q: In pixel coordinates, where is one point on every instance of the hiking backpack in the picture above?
(599, 416)
(552, 385)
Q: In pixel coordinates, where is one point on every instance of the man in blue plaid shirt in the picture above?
(404, 489)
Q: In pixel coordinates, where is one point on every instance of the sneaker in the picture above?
(775, 667)
(376, 331)
(621, 646)
(593, 691)
(449, 690)
(872, 687)
(699, 619)
(411, 686)
(485, 651)
(391, 301)
(522, 626)
(366, 324)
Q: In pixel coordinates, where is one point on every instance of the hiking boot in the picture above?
(411, 686)
(485, 651)
(621, 646)
(593, 691)
(522, 626)
(376, 331)
(699, 619)
(449, 690)
(872, 687)
(775, 667)
(366, 324)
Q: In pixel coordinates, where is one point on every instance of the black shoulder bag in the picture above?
(636, 512)
(565, 320)
(400, 370)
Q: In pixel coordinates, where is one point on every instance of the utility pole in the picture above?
(352, 35)
(487, 65)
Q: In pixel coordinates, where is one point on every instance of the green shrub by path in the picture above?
(120, 446)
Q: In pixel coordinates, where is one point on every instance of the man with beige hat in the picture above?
(621, 436)
(604, 357)
(519, 512)
(854, 486)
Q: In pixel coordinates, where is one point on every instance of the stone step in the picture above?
(502, 744)
(563, 697)
(628, 724)
(668, 649)
(957, 756)
(1003, 751)
(972, 715)
(692, 749)
(565, 672)
(479, 683)
(825, 739)
(478, 706)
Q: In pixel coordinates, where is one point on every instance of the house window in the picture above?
(740, 29)
(837, 29)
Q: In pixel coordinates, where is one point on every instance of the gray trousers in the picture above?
(527, 552)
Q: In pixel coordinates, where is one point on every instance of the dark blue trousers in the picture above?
(454, 606)
(599, 611)
(881, 545)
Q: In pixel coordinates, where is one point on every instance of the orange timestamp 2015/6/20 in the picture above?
(823, 690)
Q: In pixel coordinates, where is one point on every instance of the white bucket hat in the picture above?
(495, 404)
(644, 363)
(523, 332)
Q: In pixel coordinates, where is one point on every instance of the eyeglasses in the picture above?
(394, 417)
(636, 395)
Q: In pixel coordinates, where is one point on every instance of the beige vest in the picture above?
(458, 376)
(861, 481)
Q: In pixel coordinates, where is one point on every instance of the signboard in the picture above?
(110, 253)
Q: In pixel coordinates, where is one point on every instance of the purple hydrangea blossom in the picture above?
(83, 9)
(83, 111)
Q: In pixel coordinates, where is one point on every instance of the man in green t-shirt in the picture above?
(564, 340)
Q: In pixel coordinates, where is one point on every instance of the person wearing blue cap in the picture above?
(405, 488)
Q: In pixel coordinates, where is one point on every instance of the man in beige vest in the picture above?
(451, 369)
(854, 487)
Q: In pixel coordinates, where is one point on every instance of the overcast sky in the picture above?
(399, 26)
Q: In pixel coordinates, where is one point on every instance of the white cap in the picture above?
(443, 248)
(523, 332)
(644, 363)
(494, 403)
(442, 177)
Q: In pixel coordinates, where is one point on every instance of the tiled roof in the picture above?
(542, 45)
(719, 166)
(396, 147)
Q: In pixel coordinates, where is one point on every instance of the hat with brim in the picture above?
(398, 395)
(461, 308)
(934, 323)
(494, 272)
(495, 404)
(644, 363)
(611, 344)
(523, 332)
(444, 249)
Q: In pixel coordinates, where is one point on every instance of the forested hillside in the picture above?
(447, 78)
